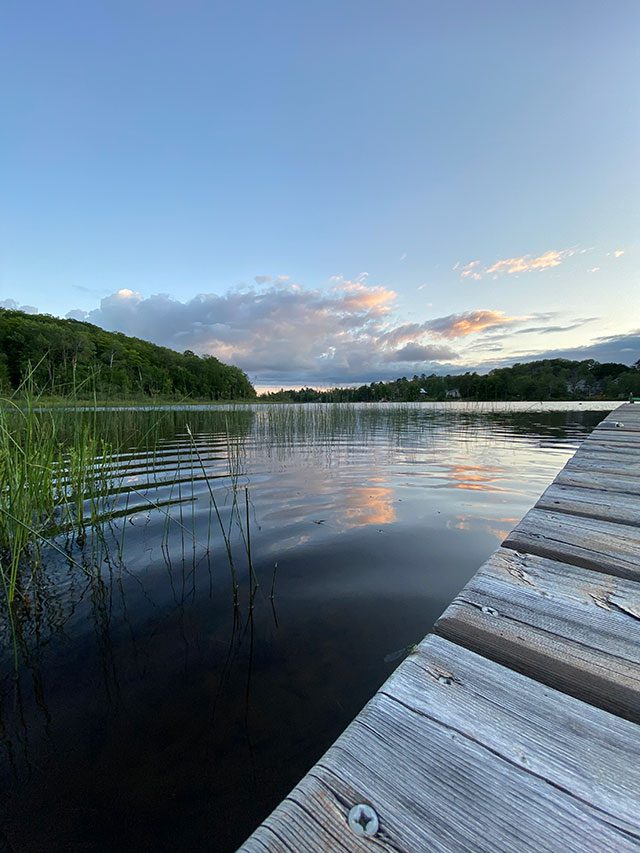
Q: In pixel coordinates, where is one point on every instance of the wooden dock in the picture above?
(514, 726)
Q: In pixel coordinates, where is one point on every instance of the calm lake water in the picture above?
(149, 711)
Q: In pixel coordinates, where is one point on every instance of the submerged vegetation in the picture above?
(73, 358)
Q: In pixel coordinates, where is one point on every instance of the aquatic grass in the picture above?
(55, 476)
(27, 496)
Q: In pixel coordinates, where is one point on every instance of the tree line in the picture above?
(548, 379)
(70, 357)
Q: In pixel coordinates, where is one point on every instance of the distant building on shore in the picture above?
(453, 394)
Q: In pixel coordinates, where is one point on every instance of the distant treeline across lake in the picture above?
(550, 379)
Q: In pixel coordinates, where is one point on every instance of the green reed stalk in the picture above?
(227, 541)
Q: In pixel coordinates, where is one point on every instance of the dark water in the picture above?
(149, 712)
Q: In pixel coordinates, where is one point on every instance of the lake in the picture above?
(260, 571)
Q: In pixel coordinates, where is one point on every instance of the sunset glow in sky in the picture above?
(327, 192)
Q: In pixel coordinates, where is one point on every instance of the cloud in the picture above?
(552, 330)
(623, 349)
(618, 253)
(12, 305)
(510, 266)
(525, 263)
(594, 269)
(470, 270)
(262, 279)
(469, 323)
(420, 353)
(281, 332)
(555, 328)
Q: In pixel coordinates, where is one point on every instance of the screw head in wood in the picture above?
(363, 820)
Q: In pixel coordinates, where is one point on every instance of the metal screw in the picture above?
(363, 820)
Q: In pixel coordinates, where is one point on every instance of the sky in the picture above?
(327, 192)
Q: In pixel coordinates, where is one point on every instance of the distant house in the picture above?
(453, 394)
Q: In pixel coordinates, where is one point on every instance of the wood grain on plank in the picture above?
(456, 752)
(613, 446)
(604, 450)
(604, 482)
(619, 455)
(632, 409)
(599, 464)
(588, 542)
(592, 503)
(575, 630)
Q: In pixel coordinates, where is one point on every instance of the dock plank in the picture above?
(614, 442)
(592, 503)
(588, 542)
(601, 464)
(602, 482)
(572, 629)
(492, 761)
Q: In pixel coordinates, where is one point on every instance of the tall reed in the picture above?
(51, 467)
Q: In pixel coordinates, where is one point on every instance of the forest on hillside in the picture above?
(65, 357)
(549, 379)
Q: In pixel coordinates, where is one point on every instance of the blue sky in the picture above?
(327, 191)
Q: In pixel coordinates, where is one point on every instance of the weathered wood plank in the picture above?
(588, 542)
(623, 417)
(592, 503)
(621, 422)
(628, 431)
(607, 451)
(625, 409)
(605, 465)
(459, 753)
(618, 455)
(603, 482)
(626, 425)
(613, 445)
(575, 630)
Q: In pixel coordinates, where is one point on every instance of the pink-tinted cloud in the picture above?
(475, 271)
(470, 270)
(469, 323)
(527, 263)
